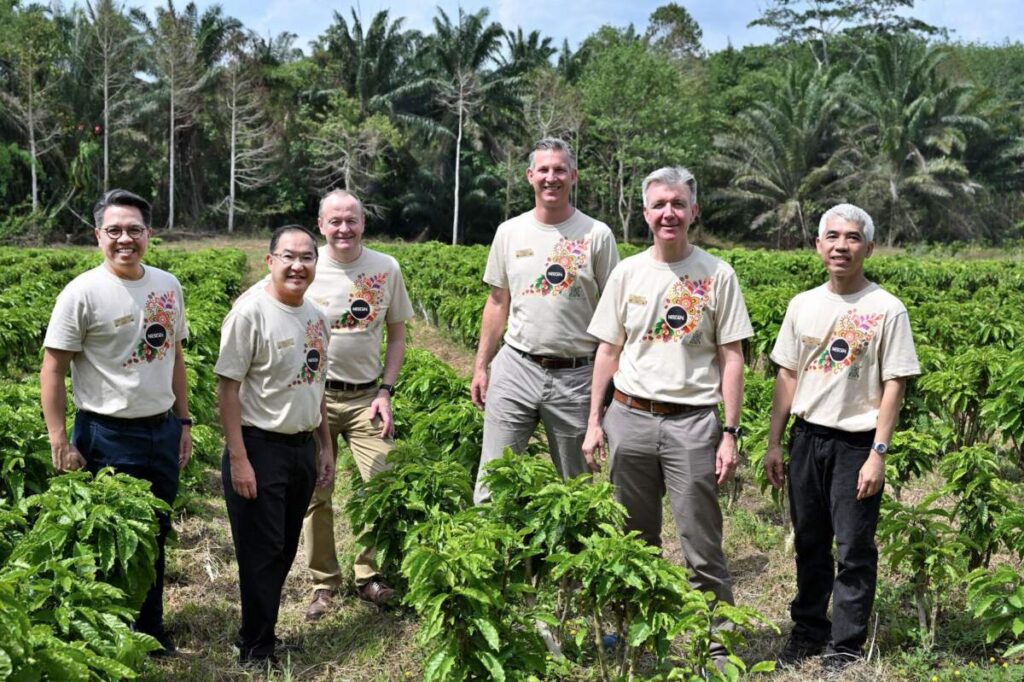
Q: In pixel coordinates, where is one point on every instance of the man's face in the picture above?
(291, 279)
(843, 247)
(122, 252)
(669, 212)
(552, 178)
(342, 224)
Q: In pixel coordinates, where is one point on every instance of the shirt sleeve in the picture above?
(606, 257)
(68, 323)
(496, 273)
(786, 353)
(400, 309)
(899, 358)
(237, 347)
(732, 322)
(608, 323)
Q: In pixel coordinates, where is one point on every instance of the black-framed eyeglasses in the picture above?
(135, 231)
(292, 259)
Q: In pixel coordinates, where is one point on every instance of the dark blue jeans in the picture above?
(823, 468)
(146, 449)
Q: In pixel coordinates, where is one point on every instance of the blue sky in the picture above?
(723, 21)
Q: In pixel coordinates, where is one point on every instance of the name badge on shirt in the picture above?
(524, 253)
(122, 321)
(286, 343)
(810, 341)
(637, 300)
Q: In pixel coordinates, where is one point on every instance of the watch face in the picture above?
(880, 448)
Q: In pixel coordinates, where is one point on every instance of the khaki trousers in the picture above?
(348, 415)
(650, 454)
(520, 394)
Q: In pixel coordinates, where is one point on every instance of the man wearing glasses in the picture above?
(119, 327)
(271, 373)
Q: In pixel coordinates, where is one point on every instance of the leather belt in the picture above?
(345, 386)
(154, 420)
(862, 439)
(548, 362)
(655, 406)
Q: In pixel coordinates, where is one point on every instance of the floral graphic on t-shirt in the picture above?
(314, 355)
(159, 316)
(684, 308)
(561, 269)
(850, 338)
(363, 302)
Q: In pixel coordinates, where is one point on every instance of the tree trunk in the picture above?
(32, 148)
(231, 187)
(458, 157)
(106, 122)
(170, 178)
(623, 215)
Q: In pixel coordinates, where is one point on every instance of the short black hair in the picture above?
(276, 237)
(121, 197)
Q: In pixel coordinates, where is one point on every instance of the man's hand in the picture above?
(325, 473)
(593, 447)
(727, 458)
(185, 446)
(243, 478)
(65, 457)
(381, 406)
(774, 466)
(871, 477)
(478, 388)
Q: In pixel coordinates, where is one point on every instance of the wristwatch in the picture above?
(880, 448)
(390, 388)
(185, 421)
(736, 431)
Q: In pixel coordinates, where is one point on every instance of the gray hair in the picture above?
(121, 197)
(670, 176)
(340, 193)
(853, 214)
(554, 144)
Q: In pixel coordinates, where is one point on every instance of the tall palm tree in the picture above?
(526, 52)
(913, 132)
(784, 152)
(469, 89)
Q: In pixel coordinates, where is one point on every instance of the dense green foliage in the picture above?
(432, 129)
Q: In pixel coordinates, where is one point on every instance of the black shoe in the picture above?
(798, 649)
(835, 663)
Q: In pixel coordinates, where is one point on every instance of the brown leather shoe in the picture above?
(376, 592)
(321, 604)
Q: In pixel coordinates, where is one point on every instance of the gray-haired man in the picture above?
(547, 268)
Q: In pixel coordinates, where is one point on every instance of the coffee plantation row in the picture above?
(530, 586)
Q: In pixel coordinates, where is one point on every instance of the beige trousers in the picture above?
(348, 416)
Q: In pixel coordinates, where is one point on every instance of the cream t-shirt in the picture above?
(123, 333)
(670, 319)
(279, 354)
(842, 348)
(555, 275)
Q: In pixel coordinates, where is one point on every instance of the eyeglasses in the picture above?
(292, 259)
(135, 231)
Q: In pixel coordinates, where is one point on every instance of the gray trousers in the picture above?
(650, 454)
(521, 393)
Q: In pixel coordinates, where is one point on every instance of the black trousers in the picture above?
(823, 468)
(266, 530)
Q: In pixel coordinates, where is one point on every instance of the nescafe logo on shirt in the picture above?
(156, 335)
(555, 274)
(839, 350)
(360, 309)
(676, 317)
(313, 360)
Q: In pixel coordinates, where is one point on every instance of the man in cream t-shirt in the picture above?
(671, 323)
(272, 369)
(547, 269)
(119, 327)
(844, 353)
(363, 294)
